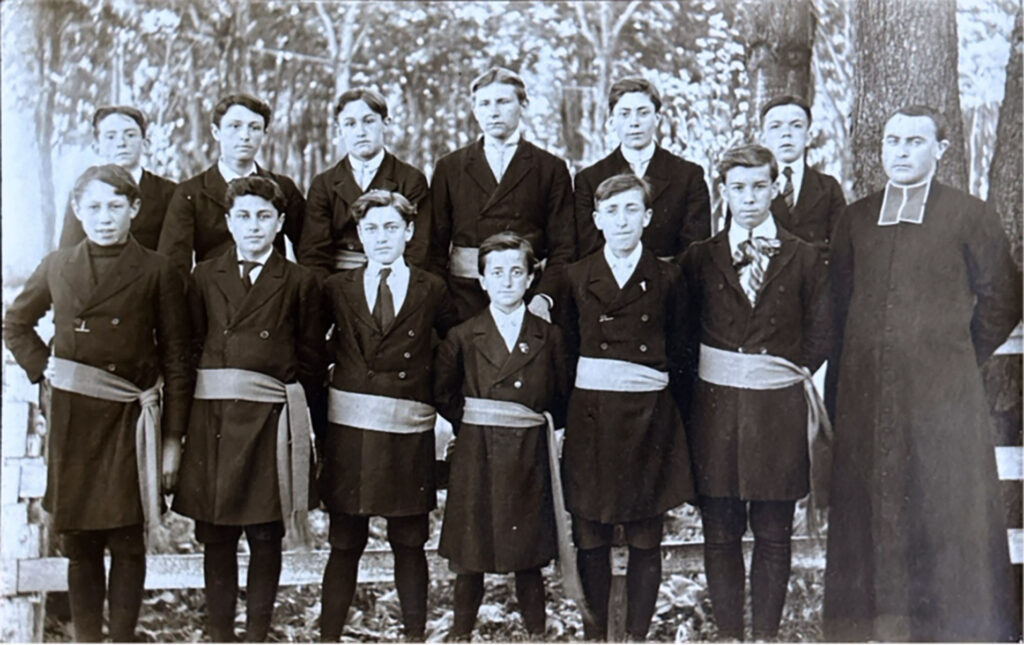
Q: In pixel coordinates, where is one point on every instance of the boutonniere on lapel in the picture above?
(524, 348)
(643, 285)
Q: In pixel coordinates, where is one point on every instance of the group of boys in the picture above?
(511, 303)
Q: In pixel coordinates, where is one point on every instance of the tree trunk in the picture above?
(1004, 186)
(907, 53)
(49, 27)
(779, 36)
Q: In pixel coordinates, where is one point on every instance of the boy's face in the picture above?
(749, 192)
(497, 110)
(254, 223)
(506, 278)
(106, 216)
(384, 234)
(239, 134)
(635, 119)
(622, 219)
(911, 148)
(362, 130)
(119, 141)
(784, 132)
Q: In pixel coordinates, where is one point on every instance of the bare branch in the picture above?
(588, 33)
(624, 17)
(332, 38)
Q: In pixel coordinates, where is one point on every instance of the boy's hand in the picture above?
(49, 372)
(540, 306)
(171, 461)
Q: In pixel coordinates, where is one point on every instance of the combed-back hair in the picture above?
(378, 198)
(506, 241)
(748, 155)
(264, 187)
(786, 99)
(633, 84)
(919, 109)
(245, 100)
(619, 184)
(374, 99)
(132, 113)
(500, 75)
(111, 174)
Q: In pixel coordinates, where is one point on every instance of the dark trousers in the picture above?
(725, 522)
(87, 581)
(469, 592)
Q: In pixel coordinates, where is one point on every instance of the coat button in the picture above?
(227, 331)
(264, 334)
(111, 368)
(401, 375)
(604, 345)
(115, 322)
(721, 285)
(643, 348)
(764, 350)
(412, 333)
(370, 374)
(407, 355)
(782, 288)
(740, 350)
(772, 320)
(518, 385)
(644, 318)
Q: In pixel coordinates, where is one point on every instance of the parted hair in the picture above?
(506, 241)
(374, 99)
(378, 198)
(245, 100)
(919, 109)
(747, 156)
(786, 99)
(134, 114)
(111, 174)
(500, 75)
(619, 184)
(264, 187)
(633, 84)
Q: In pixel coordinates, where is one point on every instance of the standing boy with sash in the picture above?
(259, 342)
(501, 182)
(500, 377)
(625, 460)
(378, 453)
(330, 241)
(120, 331)
(758, 298)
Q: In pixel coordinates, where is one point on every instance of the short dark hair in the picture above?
(506, 241)
(264, 187)
(619, 184)
(919, 109)
(375, 100)
(381, 198)
(112, 175)
(786, 99)
(633, 84)
(500, 75)
(132, 113)
(245, 100)
(748, 155)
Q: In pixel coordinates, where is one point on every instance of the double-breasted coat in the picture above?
(195, 218)
(625, 456)
(816, 211)
(229, 470)
(132, 323)
(499, 515)
(679, 199)
(917, 542)
(533, 199)
(367, 472)
(156, 192)
(328, 226)
(752, 444)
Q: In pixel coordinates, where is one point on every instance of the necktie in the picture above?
(384, 308)
(497, 156)
(247, 268)
(787, 187)
(751, 259)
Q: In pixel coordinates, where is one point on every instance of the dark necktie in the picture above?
(247, 268)
(751, 261)
(384, 308)
(787, 187)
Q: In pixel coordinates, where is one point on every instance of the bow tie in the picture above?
(751, 249)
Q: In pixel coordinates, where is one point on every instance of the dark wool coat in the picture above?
(679, 199)
(195, 218)
(625, 456)
(752, 444)
(328, 226)
(229, 469)
(366, 472)
(917, 543)
(534, 199)
(135, 325)
(816, 211)
(156, 195)
(499, 515)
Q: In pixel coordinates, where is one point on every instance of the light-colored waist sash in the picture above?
(379, 413)
(610, 375)
(345, 259)
(505, 414)
(463, 262)
(101, 384)
(294, 436)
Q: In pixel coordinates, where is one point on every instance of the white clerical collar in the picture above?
(643, 155)
(262, 258)
(904, 203)
(766, 229)
(228, 174)
(511, 142)
(628, 262)
(369, 164)
(398, 267)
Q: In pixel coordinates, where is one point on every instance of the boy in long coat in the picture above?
(679, 195)
(378, 454)
(257, 321)
(760, 298)
(330, 242)
(625, 458)
(498, 516)
(925, 290)
(120, 326)
(501, 182)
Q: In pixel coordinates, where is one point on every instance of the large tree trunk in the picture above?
(779, 36)
(1004, 185)
(907, 53)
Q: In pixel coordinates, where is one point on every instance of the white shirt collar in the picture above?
(642, 155)
(509, 325)
(228, 174)
(398, 268)
(372, 162)
(737, 233)
(623, 268)
(137, 174)
(261, 259)
(511, 142)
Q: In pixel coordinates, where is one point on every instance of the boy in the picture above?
(495, 374)
(625, 457)
(259, 345)
(120, 327)
(379, 450)
(195, 217)
(758, 298)
(679, 195)
(330, 241)
(119, 134)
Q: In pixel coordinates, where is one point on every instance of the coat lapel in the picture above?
(779, 262)
(77, 274)
(122, 273)
(228, 279)
(214, 187)
(414, 297)
(477, 168)
(810, 194)
(658, 174)
(527, 347)
(385, 177)
(519, 166)
(488, 340)
(721, 255)
(639, 283)
(268, 283)
(600, 280)
(345, 185)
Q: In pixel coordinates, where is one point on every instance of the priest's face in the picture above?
(105, 215)
(635, 119)
(749, 192)
(910, 149)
